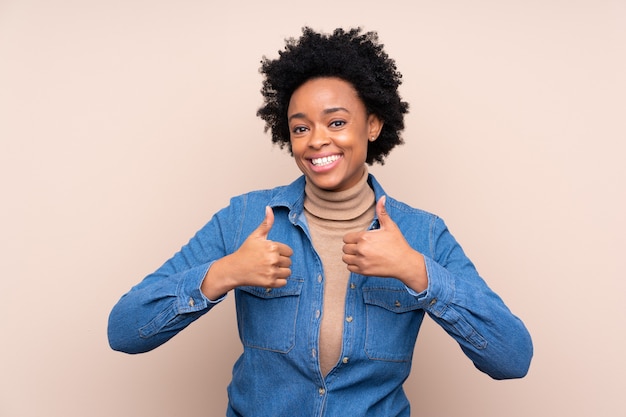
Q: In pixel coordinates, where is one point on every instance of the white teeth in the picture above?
(325, 160)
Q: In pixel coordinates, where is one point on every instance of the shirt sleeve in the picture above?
(460, 301)
(168, 300)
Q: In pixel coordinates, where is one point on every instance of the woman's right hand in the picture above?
(258, 262)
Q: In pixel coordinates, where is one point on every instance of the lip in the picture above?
(326, 167)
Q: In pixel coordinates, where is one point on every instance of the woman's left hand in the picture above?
(384, 252)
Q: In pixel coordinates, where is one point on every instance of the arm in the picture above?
(169, 299)
(205, 269)
(448, 287)
(460, 301)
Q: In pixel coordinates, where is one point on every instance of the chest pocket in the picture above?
(393, 321)
(267, 316)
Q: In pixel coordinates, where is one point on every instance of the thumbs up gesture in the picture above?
(263, 262)
(385, 253)
(258, 262)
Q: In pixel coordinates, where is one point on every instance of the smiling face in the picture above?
(330, 130)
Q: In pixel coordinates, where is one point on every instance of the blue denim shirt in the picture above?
(278, 373)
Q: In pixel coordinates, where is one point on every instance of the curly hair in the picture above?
(354, 56)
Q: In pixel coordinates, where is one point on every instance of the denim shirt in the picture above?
(278, 373)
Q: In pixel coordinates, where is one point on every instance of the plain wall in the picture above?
(124, 125)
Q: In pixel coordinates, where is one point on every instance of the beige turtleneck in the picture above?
(331, 215)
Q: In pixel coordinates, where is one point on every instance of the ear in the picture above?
(375, 125)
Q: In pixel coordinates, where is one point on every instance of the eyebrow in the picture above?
(326, 111)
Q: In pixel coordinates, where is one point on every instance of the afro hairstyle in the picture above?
(353, 56)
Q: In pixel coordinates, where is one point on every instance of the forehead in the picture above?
(323, 93)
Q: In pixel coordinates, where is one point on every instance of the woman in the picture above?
(331, 277)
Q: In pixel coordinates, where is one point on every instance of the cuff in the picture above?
(190, 296)
(440, 291)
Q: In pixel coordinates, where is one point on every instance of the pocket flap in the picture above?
(397, 300)
(293, 287)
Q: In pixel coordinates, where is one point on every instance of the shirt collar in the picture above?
(292, 196)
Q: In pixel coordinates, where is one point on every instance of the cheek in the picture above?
(361, 147)
(296, 150)
(296, 153)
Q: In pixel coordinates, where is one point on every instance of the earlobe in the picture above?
(375, 126)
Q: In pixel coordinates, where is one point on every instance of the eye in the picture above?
(298, 130)
(337, 123)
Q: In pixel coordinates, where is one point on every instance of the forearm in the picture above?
(412, 272)
(157, 309)
(494, 339)
(220, 278)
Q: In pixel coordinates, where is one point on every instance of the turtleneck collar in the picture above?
(339, 205)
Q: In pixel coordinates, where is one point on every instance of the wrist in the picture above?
(415, 275)
(215, 284)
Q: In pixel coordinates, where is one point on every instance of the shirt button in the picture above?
(352, 285)
(345, 359)
(432, 302)
(397, 303)
(349, 319)
(319, 278)
(321, 390)
(317, 314)
(268, 290)
(191, 302)
(314, 352)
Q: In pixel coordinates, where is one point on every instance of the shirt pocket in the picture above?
(393, 319)
(267, 316)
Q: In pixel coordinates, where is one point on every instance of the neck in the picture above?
(339, 205)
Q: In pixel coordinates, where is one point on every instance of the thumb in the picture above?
(383, 217)
(264, 228)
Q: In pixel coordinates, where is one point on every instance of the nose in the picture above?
(318, 139)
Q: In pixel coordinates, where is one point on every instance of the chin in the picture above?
(327, 186)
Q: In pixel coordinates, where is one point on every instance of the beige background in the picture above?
(125, 124)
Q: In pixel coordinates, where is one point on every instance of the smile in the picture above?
(325, 160)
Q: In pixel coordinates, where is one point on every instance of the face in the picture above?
(330, 130)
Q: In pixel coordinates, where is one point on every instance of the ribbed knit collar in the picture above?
(339, 205)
